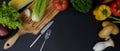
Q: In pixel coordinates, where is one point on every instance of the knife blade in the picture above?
(42, 32)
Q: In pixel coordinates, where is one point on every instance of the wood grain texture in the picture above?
(32, 27)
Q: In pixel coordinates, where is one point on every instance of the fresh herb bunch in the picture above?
(83, 6)
(9, 17)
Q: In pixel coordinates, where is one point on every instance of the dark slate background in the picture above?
(71, 31)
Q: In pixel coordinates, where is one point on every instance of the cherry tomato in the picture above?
(60, 4)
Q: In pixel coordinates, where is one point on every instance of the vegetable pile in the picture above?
(9, 17)
(108, 9)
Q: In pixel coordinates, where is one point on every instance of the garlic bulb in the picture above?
(100, 46)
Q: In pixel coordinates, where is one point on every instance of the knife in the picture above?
(42, 32)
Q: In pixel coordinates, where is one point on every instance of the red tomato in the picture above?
(60, 4)
(115, 8)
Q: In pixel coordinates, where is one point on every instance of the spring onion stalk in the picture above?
(39, 10)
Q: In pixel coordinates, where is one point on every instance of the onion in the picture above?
(3, 31)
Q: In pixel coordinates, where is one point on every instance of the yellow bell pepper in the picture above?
(102, 12)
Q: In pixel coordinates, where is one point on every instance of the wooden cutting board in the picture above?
(32, 27)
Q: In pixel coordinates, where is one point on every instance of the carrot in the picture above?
(107, 1)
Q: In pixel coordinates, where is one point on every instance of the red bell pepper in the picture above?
(115, 8)
(60, 4)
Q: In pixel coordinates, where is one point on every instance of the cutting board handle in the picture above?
(10, 42)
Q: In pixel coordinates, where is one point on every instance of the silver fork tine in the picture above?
(47, 35)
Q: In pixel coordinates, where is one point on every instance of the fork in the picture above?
(47, 35)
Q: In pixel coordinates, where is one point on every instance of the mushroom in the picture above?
(100, 46)
(106, 31)
(108, 28)
(115, 30)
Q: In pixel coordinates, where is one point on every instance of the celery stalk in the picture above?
(39, 10)
(43, 8)
(36, 8)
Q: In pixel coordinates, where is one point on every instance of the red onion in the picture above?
(3, 31)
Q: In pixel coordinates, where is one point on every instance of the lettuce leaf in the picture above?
(9, 17)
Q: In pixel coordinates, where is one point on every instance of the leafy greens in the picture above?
(9, 17)
(82, 5)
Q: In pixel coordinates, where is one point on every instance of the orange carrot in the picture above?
(107, 1)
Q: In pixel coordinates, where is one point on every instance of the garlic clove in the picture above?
(27, 12)
(100, 46)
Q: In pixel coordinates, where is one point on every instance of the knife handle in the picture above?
(10, 42)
